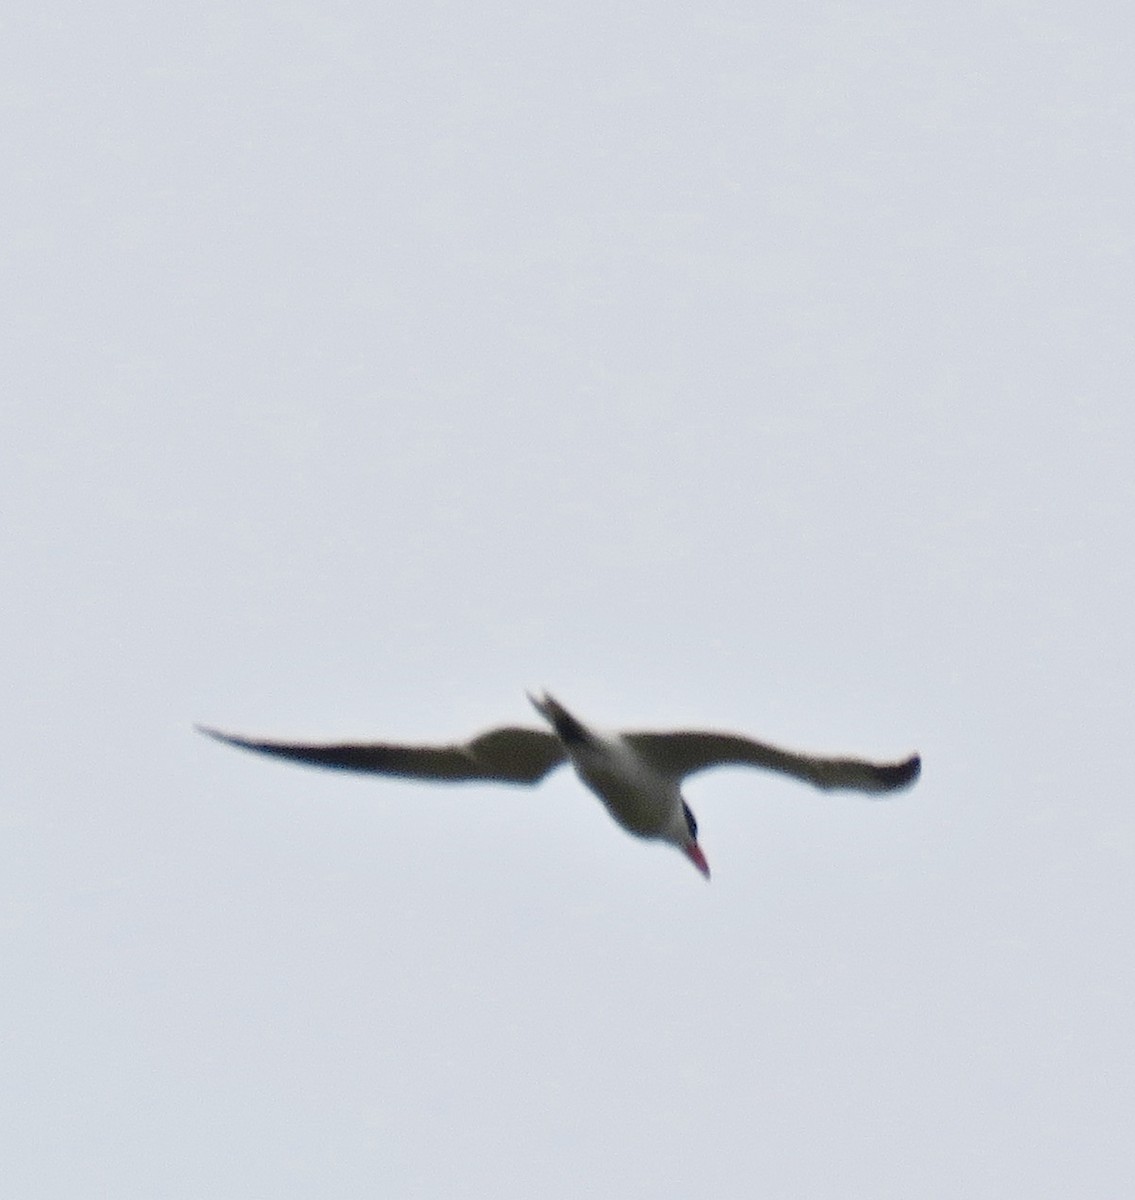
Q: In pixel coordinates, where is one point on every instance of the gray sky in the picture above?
(760, 369)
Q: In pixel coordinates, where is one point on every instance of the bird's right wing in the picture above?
(682, 753)
(507, 755)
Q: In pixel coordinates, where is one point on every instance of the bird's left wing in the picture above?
(507, 755)
(682, 753)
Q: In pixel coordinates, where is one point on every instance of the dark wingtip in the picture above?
(900, 775)
(209, 731)
(226, 738)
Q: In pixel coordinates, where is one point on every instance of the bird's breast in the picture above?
(641, 802)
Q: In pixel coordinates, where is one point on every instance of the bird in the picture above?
(637, 775)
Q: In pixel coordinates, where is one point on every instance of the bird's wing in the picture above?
(508, 755)
(682, 753)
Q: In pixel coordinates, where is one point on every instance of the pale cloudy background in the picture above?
(766, 367)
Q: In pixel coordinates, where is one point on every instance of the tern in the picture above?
(637, 775)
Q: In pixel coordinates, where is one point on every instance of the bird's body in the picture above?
(637, 776)
(641, 798)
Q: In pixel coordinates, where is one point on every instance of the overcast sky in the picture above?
(757, 367)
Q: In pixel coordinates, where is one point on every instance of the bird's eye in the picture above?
(691, 821)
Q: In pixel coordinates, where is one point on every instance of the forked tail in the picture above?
(568, 729)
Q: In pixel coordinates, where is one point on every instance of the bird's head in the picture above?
(686, 839)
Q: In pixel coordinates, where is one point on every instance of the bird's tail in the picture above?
(567, 728)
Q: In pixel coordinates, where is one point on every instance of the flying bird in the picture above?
(637, 775)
